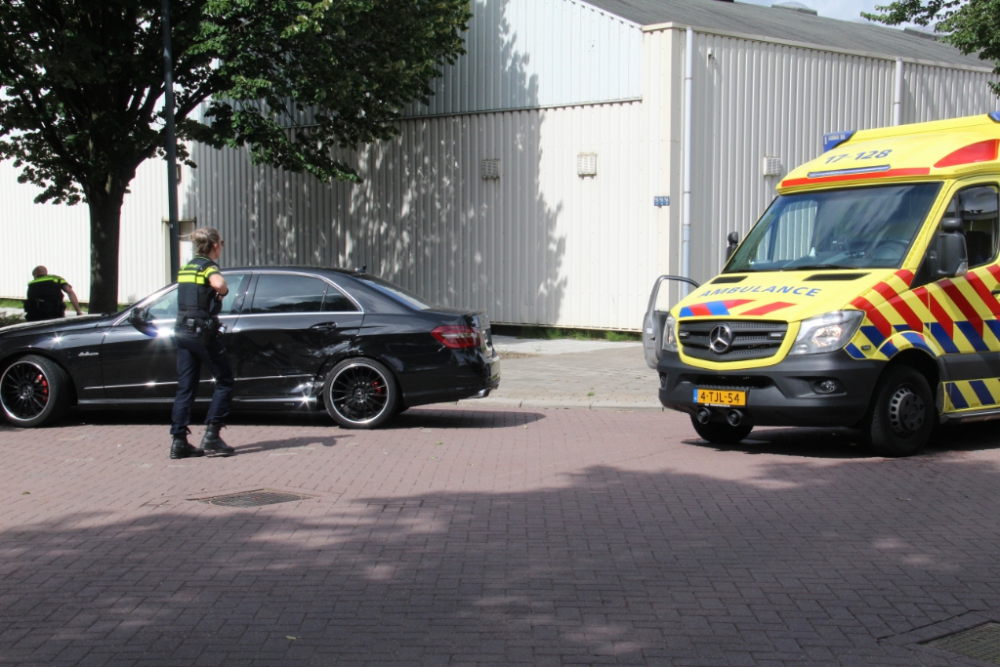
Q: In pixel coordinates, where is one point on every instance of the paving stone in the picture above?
(543, 537)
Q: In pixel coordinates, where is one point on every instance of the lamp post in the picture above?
(168, 113)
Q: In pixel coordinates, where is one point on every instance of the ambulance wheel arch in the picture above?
(904, 406)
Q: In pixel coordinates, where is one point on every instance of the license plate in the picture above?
(720, 397)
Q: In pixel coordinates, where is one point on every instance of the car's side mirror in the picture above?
(733, 241)
(140, 318)
(952, 254)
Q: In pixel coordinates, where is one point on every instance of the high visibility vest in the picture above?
(45, 299)
(195, 295)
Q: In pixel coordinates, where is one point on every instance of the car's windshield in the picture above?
(853, 228)
(395, 291)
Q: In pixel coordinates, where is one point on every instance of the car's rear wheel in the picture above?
(902, 415)
(360, 393)
(34, 391)
(719, 433)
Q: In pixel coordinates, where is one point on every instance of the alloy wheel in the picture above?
(359, 393)
(24, 391)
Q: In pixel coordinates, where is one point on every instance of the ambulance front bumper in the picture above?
(794, 392)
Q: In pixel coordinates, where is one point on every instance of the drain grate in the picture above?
(980, 643)
(254, 498)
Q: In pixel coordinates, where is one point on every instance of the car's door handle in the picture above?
(324, 326)
(995, 292)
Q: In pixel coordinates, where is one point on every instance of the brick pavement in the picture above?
(491, 537)
(553, 374)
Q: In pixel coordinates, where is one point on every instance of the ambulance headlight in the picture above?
(670, 334)
(827, 332)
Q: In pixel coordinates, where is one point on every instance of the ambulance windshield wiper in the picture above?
(811, 267)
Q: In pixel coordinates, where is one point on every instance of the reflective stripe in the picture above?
(48, 279)
(193, 273)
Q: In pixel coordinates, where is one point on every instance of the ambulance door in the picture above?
(965, 310)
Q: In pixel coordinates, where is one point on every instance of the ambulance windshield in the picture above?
(853, 228)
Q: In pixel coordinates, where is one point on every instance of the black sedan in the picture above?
(298, 338)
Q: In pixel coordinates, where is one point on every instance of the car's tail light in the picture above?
(457, 336)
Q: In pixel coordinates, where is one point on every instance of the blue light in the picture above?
(995, 116)
(834, 139)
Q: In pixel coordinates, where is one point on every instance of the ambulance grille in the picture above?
(751, 340)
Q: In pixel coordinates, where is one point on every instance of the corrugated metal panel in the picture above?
(755, 99)
(539, 53)
(539, 245)
(59, 236)
(933, 93)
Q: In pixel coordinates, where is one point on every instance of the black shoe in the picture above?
(213, 443)
(182, 449)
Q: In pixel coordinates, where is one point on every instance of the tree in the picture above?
(82, 88)
(971, 26)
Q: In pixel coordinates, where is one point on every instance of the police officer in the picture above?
(199, 299)
(45, 297)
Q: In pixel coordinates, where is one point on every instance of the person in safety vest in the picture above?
(45, 297)
(200, 290)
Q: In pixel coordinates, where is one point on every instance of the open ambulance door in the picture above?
(656, 316)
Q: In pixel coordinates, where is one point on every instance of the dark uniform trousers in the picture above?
(198, 344)
(192, 353)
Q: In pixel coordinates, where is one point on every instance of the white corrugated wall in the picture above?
(539, 245)
(539, 53)
(59, 236)
(755, 99)
(933, 92)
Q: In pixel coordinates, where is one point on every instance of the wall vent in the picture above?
(772, 166)
(489, 169)
(586, 164)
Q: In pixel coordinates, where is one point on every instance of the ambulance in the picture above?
(864, 296)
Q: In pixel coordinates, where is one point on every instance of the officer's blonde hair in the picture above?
(203, 239)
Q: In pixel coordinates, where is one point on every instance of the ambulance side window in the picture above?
(978, 208)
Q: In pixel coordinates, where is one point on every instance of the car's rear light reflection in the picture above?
(457, 336)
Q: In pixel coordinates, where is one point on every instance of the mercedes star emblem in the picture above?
(720, 339)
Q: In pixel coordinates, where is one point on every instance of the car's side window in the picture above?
(235, 282)
(164, 308)
(337, 302)
(281, 293)
(977, 207)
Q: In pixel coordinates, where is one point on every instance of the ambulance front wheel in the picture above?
(902, 414)
(719, 433)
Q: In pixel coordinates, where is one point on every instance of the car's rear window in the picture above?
(396, 292)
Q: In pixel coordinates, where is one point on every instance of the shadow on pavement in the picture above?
(422, 417)
(795, 564)
(428, 417)
(845, 443)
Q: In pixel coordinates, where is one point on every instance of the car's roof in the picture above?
(295, 269)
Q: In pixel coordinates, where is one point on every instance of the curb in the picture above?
(561, 405)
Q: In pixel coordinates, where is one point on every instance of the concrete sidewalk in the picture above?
(596, 375)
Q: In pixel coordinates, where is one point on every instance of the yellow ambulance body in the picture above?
(866, 295)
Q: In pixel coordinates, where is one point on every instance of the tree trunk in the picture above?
(105, 230)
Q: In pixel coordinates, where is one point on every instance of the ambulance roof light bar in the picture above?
(833, 139)
(995, 116)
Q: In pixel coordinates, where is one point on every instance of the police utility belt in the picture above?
(203, 327)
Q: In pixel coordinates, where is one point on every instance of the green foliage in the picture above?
(82, 86)
(7, 320)
(971, 26)
(558, 333)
